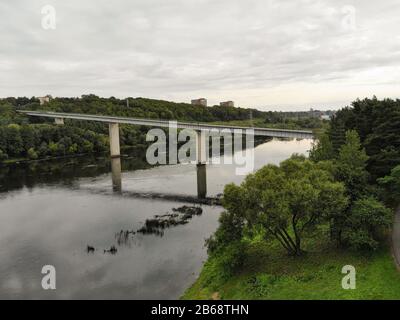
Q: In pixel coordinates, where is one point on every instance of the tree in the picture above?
(337, 134)
(322, 149)
(350, 168)
(14, 141)
(391, 184)
(286, 201)
(351, 165)
(43, 149)
(378, 124)
(32, 154)
(3, 155)
(368, 218)
(53, 147)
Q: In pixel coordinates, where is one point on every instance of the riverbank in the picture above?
(269, 273)
(25, 160)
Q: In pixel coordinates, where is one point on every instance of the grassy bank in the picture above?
(268, 273)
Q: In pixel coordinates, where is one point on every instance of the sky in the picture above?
(268, 54)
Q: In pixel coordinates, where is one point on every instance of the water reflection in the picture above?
(67, 171)
(201, 181)
(116, 174)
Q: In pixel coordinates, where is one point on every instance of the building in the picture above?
(44, 99)
(325, 117)
(199, 102)
(227, 104)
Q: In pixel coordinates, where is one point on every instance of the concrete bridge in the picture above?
(200, 128)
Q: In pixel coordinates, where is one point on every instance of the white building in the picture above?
(44, 99)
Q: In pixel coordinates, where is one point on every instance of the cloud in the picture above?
(277, 54)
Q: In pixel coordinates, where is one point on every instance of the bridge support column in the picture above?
(59, 121)
(114, 140)
(201, 147)
(201, 152)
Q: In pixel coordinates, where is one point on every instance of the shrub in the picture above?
(3, 155)
(32, 154)
(365, 225)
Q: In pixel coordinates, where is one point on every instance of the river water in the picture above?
(143, 239)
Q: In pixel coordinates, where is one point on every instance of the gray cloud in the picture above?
(277, 54)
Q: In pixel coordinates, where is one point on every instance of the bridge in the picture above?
(200, 128)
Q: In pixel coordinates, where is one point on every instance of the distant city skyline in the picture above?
(270, 55)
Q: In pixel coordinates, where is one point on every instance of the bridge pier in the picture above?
(201, 147)
(114, 140)
(201, 152)
(59, 121)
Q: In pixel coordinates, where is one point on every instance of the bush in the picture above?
(365, 225)
(3, 155)
(32, 154)
(229, 259)
(230, 230)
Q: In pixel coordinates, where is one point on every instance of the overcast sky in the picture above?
(270, 54)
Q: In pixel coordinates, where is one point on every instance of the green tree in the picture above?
(391, 184)
(322, 149)
(350, 168)
(53, 148)
(73, 149)
(87, 146)
(337, 134)
(32, 154)
(14, 142)
(365, 225)
(43, 149)
(286, 201)
(378, 124)
(3, 155)
(351, 165)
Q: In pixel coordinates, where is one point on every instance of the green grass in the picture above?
(269, 273)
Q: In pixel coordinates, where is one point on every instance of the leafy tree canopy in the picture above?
(286, 201)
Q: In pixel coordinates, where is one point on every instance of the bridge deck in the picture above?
(269, 132)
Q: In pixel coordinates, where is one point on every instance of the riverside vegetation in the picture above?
(288, 230)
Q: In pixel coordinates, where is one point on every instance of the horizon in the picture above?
(264, 54)
(264, 108)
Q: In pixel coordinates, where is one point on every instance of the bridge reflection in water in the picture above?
(116, 174)
(116, 177)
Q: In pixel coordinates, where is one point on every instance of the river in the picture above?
(143, 239)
